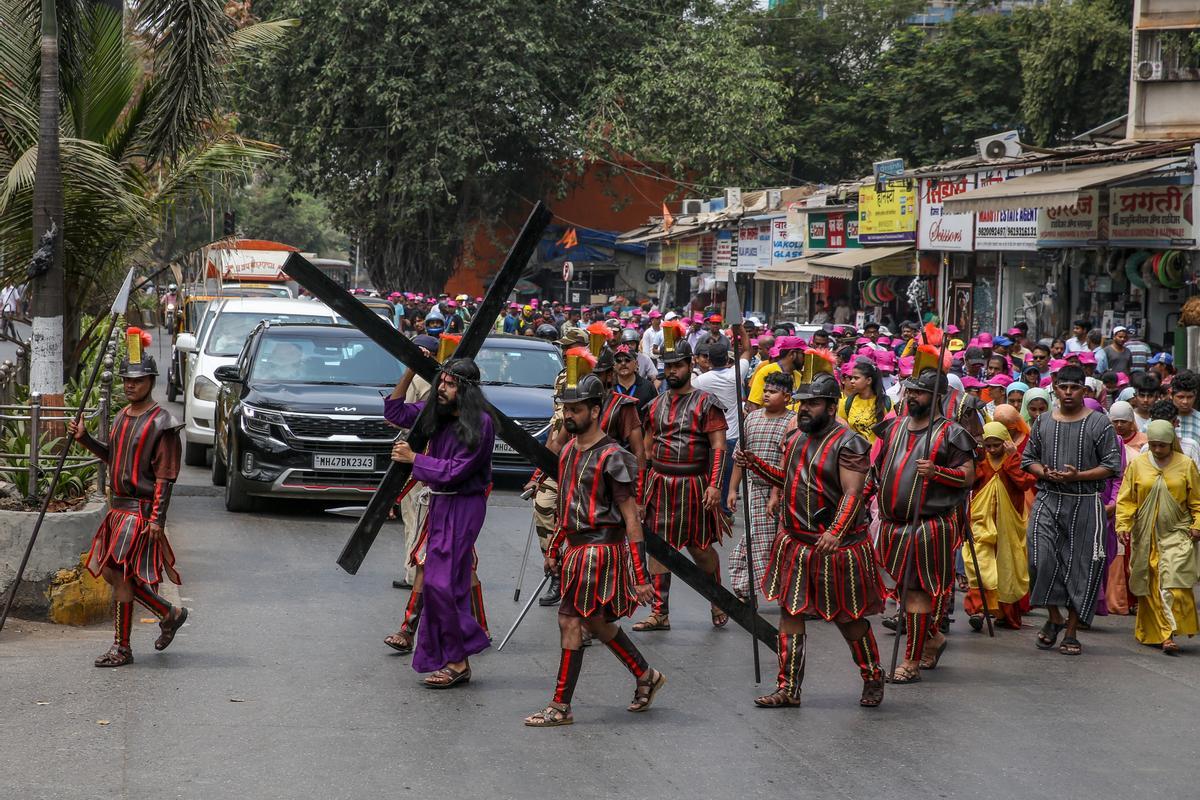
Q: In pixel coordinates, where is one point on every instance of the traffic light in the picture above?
(229, 228)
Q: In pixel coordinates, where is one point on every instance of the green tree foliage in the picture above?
(271, 207)
(143, 128)
(416, 120)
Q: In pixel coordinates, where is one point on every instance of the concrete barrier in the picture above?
(55, 587)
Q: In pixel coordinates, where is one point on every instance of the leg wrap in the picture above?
(791, 663)
(122, 623)
(917, 633)
(568, 675)
(662, 592)
(152, 601)
(866, 656)
(627, 651)
(412, 612)
(943, 604)
(477, 607)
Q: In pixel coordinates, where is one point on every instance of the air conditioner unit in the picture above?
(1003, 145)
(692, 207)
(733, 197)
(1149, 71)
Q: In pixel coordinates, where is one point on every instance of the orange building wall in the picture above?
(597, 199)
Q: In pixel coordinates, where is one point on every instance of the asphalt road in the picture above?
(280, 687)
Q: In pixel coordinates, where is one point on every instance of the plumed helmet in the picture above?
(823, 387)
(146, 368)
(588, 387)
(927, 381)
(682, 352)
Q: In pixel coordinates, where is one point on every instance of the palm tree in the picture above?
(143, 128)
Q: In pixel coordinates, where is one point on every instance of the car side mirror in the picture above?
(227, 373)
(185, 342)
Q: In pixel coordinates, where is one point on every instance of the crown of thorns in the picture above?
(445, 369)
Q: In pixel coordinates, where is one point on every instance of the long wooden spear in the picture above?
(118, 308)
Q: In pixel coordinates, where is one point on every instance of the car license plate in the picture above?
(504, 447)
(366, 463)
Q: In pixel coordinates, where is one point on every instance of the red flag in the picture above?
(668, 220)
(569, 239)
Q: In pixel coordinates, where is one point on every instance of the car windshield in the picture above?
(297, 357)
(518, 366)
(230, 329)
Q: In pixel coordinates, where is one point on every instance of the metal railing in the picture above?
(41, 420)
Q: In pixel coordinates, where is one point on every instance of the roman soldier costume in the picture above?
(682, 464)
(842, 586)
(619, 416)
(599, 566)
(142, 456)
(930, 541)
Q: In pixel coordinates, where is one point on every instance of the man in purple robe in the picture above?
(457, 468)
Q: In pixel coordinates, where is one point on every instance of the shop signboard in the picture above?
(938, 231)
(669, 259)
(1068, 226)
(899, 265)
(722, 251)
(832, 230)
(795, 218)
(764, 244)
(747, 247)
(689, 254)
(783, 247)
(1152, 216)
(888, 216)
(1006, 229)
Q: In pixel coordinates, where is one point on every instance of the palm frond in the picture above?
(260, 37)
(221, 161)
(108, 75)
(19, 178)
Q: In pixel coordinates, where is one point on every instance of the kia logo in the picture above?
(346, 408)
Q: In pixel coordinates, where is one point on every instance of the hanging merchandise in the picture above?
(885, 292)
(1133, 268)
(1169, 269)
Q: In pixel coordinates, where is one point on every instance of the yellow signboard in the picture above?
(888, 216)
(689, 254)
(670, 257)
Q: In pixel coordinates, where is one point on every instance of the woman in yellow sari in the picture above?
(998, 522)
(1158, 510)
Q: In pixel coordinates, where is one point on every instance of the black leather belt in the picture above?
(679, 467)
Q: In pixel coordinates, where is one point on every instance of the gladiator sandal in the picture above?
(660, 608)
(791, 649)
(402, 640)
(866, 655)
(552, 716)
(645, 690)
(120, 653)
(917, 633)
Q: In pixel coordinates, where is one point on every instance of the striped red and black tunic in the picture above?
(843, 585)
(596, 572)
(143, 461)
(941, 515)
(619, 417)
(677, 426)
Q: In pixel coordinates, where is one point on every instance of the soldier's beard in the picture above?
(811, 423)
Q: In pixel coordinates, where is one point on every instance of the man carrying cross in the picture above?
(457, 468)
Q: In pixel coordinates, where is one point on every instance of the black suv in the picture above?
(301, 414)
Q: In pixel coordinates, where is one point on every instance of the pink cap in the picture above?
(1015, 332)
(906, 366)
(846, 369)
(971, 382)
(514, 306)
(999, 380)
(478, 299)
(1046, 381)
(655, 314)
(884, 340)
(952, 330)
(697, 317)
(1086, 357)
(984, 339)
(1122, 380)
(612, 315)
(637, 312)
(451, 304)
(862, 340)
(867, 352)
(885, 360)
(1056, 365)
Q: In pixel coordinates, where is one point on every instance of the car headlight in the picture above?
(257, 420)
(204, 389)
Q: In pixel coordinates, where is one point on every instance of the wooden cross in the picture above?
(382, 333)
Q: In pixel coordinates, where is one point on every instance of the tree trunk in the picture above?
(46, 369)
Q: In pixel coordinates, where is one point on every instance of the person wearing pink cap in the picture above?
(1019, 352)
(786, 354)
(652, 339)
(866, 403)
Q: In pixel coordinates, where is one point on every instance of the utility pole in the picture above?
(46, 351)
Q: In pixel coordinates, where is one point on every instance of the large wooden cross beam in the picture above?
(378, 330)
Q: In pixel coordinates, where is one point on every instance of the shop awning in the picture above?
(794, 271)
(847, 261)
(1050, 189)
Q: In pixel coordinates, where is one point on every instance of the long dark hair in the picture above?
(872, 373)
(472, 407)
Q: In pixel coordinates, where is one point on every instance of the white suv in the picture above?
(220, 342)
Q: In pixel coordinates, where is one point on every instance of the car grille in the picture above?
(315, 427)
(366, 480)
(532, 425)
